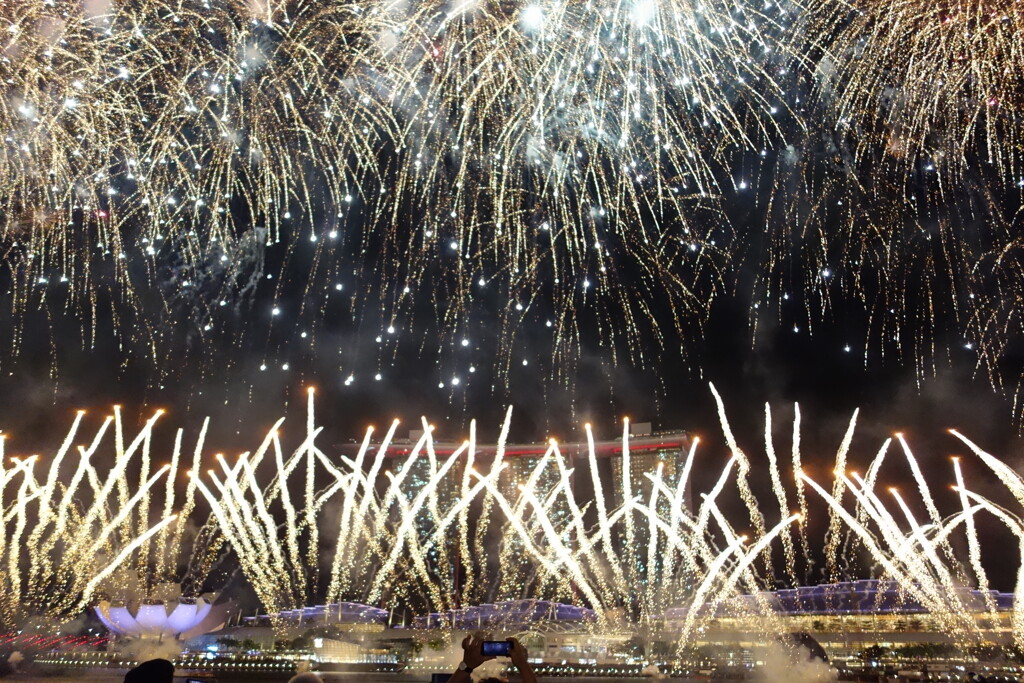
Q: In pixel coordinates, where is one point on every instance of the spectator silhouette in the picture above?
(473, 656)
(153, 671)
(305, 678)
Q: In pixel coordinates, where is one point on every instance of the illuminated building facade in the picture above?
(851, 616)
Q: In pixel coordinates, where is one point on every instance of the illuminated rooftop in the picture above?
(507, 614)
(863, 597)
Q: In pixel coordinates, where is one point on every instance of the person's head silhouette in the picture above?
(153, 671)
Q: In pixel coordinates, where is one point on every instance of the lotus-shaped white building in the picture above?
(178, 619)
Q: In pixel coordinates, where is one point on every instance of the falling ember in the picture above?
(169, 160)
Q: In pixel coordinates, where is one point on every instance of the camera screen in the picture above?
(496, 648)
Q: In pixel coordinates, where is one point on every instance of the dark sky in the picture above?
(778, 328)
(59, 357)
(781, 368)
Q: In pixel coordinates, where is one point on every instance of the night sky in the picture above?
(222, 379)
(789, 320)
(60, 356)
(237, 377)
(780, 368)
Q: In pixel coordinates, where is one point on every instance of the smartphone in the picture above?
(439, 678)
(496, 648)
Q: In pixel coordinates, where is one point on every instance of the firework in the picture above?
(436, 530)
(632, 556)
(548, 153)
(931, 86)
(542, 168)
(65, 534)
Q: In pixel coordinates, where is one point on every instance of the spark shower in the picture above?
(558, 170)
(361, 527)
